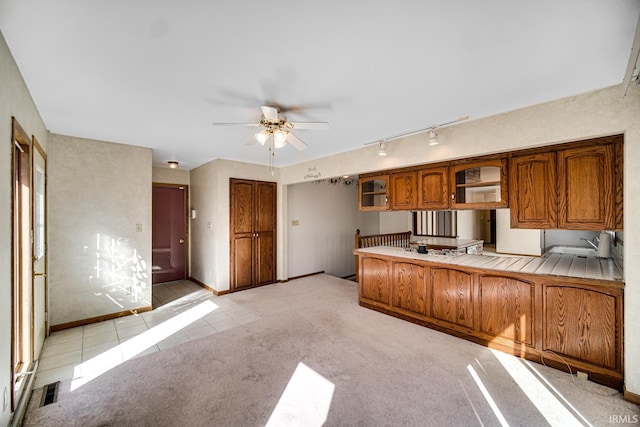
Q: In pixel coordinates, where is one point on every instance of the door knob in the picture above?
(181, 240)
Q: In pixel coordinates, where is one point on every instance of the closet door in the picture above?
(265, 227)
(241, 233)
(252, 233)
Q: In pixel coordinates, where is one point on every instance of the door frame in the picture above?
(21, 279)
(187, 225)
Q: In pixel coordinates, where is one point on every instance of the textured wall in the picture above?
(16, 101)
(170, 176)
(99, 262)
(210, 230)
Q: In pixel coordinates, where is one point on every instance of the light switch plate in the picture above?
(139, 228)
(5, 399)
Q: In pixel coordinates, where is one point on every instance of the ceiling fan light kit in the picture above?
(279, 129)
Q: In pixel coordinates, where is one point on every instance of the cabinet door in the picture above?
(373, 193)
(585, 193)
(409, 288)
(506, 308)
(404, 194)
(265, 229)
(583, 324)
(433, 188)
(452, 296)
(374, 280)
(533, 191)
(479, 185)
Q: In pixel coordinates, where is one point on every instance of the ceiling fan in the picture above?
(277, 129)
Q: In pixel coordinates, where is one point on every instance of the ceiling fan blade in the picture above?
(269, 113)
(310, 125)
(296, 142)
(236, 124)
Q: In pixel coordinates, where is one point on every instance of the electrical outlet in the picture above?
(139, 228)
(582, 375)
(209, 225)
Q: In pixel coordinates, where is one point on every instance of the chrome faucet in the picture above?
(594, 243)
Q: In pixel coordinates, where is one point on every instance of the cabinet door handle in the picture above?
(453, 195)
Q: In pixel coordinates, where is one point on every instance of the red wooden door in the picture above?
(169, 234)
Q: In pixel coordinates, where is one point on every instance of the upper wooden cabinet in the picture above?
(404, 191)
(585, 188)
(479, 185)
(533, 191)
(373, 194)
(433, 188)
(577, 188)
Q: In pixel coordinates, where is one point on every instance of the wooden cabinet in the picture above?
(404, 191)
(583, 324)
(507, 308)
(252, 233)
(479, 185)
(409, 293)
(563, 321)
(452, 296)
(433, 188)
(578, 188)
(533, 194)
(373, 193)
(375, 286)
(585, 188)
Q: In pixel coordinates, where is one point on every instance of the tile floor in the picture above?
(66, 352)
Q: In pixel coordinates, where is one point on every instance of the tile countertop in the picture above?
(553, 264)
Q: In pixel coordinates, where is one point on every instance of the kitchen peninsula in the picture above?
(562, 309)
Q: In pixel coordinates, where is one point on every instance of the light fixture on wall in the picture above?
(173, 164)
(381, 150)
(433, 137)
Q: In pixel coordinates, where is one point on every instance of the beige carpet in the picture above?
(359, 368)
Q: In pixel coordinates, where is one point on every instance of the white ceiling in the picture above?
(158, 73)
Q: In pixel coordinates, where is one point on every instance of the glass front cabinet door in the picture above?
(374, 194)
(479, 185)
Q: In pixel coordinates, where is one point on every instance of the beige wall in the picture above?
(15, 101)
(99, 262)
(602, 112)
(170, 176)
(210, 230)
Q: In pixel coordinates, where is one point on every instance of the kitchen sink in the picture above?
(572, 250)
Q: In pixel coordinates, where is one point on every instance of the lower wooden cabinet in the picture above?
(375, 287)
(561, 321)
(582, 324)
(452, 296)
(409, 292)
(507, 308)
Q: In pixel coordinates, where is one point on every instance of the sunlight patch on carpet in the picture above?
(547, 404)
(487, 396)
(305, 401)
(107, 360)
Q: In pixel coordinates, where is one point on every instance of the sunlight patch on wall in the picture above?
(104, 362)
(305, 401)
